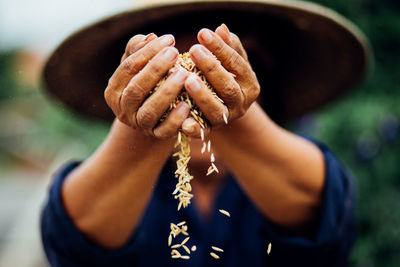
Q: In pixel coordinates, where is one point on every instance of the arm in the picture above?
(282, 173)
(107, 195)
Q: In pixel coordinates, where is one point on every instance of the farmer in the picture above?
(115, 208)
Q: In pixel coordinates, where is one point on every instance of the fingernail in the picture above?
(197, 52)
(225, 27)
(189, 127)
(167, 40)
(192, 83)
(169, 54)
(150, 36)
(183, 109)
(180, 75)
(206, 35)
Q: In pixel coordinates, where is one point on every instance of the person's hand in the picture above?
(145, 61)
(223, 60)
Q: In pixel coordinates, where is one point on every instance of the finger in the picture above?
(233, 62)
(224, 33)
(238, 46)
(160, 100)
(232, 40)
(131, 66)
(192, 128)
(223, 82)
(173, 122)
(212, 108)
(140, 85)
(147, 40)
(137, 42)
(229, 58)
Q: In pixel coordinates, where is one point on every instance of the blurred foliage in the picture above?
(36, 128)
(363, 129)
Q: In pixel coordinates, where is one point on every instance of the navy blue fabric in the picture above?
(244, 236)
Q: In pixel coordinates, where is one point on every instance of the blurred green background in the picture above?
(363, 129)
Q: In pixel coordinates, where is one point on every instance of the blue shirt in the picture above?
(244, 236)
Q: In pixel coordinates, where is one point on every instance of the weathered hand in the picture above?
(223, 60)
(145, 61)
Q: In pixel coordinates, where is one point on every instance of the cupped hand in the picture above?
(145, 62)
(223, 60)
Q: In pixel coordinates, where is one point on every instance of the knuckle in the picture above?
(132, 95)
(232, 93)
(211, 66)
(129, 65)
(218, 47)
(145, 118)
(216, 118)
(233, 59)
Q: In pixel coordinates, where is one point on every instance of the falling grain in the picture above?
(186, 249)
(225, 213)
(217, 249)
(179, 137)
(204, 148)
(214, 167)
(215, 256)
(209, 146)
(185, 240)
(225, 118)
(269, 248)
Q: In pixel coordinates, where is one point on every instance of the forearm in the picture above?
(282, 173)
(107, 195)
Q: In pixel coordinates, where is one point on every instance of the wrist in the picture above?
(120, 132)
(253, 121)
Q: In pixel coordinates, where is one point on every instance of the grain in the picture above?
(225, 118)
(210, 170)
(225, 213)
(217, 249)
(181, 223)
(193, 248)
(186, 249)
(269, 248)
(214, 167)
(203, 149)
(185, 240)
(183, 188)
(215, 256)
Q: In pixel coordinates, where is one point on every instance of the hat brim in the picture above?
(304, 55)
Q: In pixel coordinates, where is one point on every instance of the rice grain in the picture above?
(225, 213)
(215, 256)
(217, 249)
